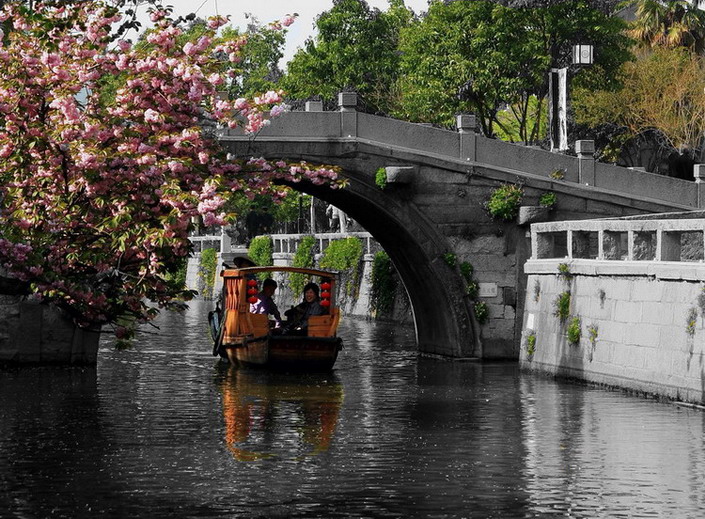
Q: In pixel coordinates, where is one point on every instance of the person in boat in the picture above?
(265, 304)
(297, 316)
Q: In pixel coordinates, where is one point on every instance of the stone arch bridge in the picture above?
(438, 181)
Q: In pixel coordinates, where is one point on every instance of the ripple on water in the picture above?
(165, 430)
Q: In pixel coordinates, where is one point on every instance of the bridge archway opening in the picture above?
(442, 320)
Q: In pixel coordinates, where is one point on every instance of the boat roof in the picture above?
(239, 272)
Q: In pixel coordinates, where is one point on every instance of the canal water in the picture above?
(165, 430)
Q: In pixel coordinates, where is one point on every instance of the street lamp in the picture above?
(582, 54)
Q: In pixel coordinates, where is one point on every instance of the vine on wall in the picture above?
(344, 256)
(383, 281)
(303, 257)
(207, 266)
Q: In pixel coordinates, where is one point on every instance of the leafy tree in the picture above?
(662, 96)
(670, 23)
(355, 48)
(96, 195)
(492, 60)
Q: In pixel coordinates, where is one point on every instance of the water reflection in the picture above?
(164, 430)
(278, 414)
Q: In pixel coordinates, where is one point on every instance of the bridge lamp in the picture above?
(582, 54)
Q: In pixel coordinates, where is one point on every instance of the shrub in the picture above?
(450, 259)
(466, 269)
(482, 312)
(471, 289)
(548, 200)
(531, 344)
(207, 267)
(344, 256)
(691, 321)
(383, 284)
(381, 178)
(564, 271)
(574, 331)
(562, 304)
(303, 257)
(504, 202)
(557, 174)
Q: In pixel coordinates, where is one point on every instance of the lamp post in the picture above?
(558, 96)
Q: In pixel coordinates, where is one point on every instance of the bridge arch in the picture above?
(441, 312)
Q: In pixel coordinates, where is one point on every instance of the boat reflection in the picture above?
(270, 414)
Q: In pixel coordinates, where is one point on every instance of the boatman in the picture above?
(265, 304)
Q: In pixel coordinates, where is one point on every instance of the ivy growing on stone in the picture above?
(344, 256)
(383, 281)
(381, 178)
(531, 344)
(482, 312)
(574, 331)
(303, 257)
(562, 305)
(260, 252)
(207, 266)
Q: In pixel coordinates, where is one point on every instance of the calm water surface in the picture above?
(165, 430)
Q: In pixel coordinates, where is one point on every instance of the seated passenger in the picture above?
(297, 317)
(265, 304)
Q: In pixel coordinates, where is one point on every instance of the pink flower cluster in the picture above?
(96, 192)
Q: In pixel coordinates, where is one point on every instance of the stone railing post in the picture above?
(699, 174)
(467, 128)
(586, 162)
(314, 106)
(347, 103)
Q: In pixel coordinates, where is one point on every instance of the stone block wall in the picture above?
(34, 333)
(640, 332)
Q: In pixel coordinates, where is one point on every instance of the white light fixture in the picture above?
(582, 54)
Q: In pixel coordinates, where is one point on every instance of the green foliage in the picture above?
(548, 200)
(481, 56)
(260, 251)
(450, 259)
(574, 331)
(592, 334)
(207, 266)
(471, 289)
(670, 23)
(504, 202)
(691, 321)
(381, 178)
(355, 47)
(562, 306)
(284, 210)
(482, 312)
(662, 91)
(557, 174)
(466, 270)
(564, 271)
(303, 257)
(178, 275)
(531, 344)
(344, 256)
(383, 284)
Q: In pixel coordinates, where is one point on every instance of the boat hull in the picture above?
(286, 352)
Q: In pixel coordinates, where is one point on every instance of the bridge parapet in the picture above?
(649, 244)
(468, 148)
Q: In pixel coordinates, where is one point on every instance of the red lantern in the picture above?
(252, 300)
(252, 291)
(325, 295)
(325, 286)
(325, 303)
(252, 283)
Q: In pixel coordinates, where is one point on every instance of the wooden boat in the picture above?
(245, 338)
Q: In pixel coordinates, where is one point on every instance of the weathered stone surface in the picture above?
(34, 333)
(532, 214)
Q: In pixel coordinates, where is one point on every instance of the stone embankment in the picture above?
(619, 302)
